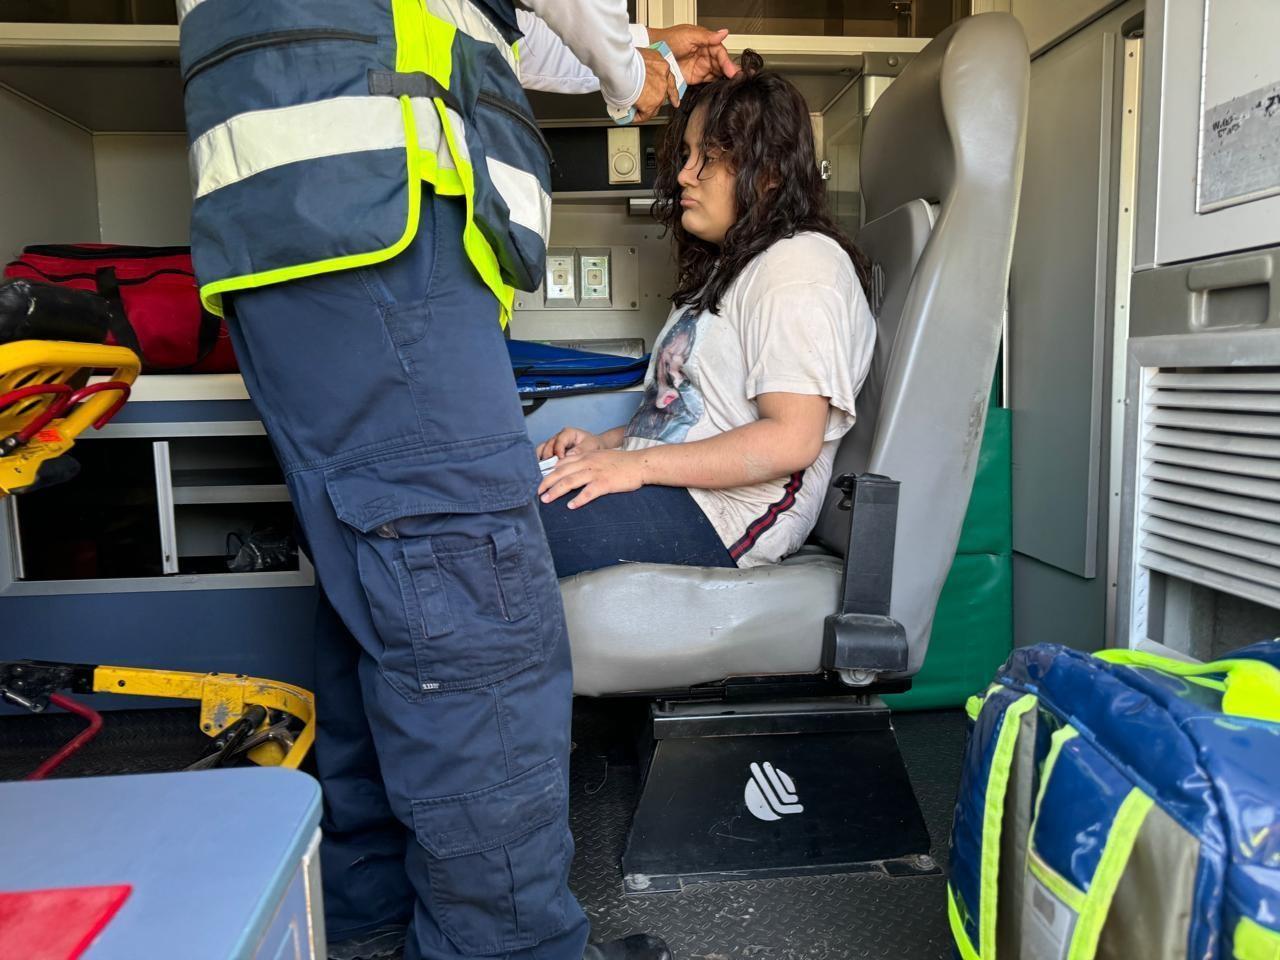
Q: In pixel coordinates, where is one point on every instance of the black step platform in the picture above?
(805, 787)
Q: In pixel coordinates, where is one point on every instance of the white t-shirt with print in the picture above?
(795, 320)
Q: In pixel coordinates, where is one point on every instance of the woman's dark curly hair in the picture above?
(759, 123)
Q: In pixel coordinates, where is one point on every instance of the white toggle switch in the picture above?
(624, 155)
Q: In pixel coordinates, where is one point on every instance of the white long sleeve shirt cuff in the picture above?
(581, 46)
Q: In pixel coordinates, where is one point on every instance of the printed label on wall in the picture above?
(1239, 143)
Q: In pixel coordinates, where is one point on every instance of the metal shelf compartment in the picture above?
(156, 507)
(225, 470)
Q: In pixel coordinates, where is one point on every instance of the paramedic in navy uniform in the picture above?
(375, 356)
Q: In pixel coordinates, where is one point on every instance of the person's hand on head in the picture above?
(699, 51)
(659, 86)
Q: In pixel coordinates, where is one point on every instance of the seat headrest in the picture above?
(962, 98)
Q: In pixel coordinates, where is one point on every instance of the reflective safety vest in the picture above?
(314, 123)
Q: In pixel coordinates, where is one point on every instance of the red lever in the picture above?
(35, 390)
(76, 743)
(62, 399)
(85, 392)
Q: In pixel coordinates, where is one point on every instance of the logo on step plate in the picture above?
(770, 794)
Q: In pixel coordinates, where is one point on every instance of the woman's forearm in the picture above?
(612, 439)
(754, 453)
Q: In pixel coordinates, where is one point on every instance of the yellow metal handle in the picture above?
(222, 698)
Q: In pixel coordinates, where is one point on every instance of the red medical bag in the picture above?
(156, 304)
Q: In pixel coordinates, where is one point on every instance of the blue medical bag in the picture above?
(543, 371)
(1121, 805)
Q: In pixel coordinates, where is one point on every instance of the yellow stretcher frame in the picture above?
(34, 362)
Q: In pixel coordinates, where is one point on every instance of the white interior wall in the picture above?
(48, 192)
(144, 193)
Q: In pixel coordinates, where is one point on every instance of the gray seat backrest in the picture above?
(941, 170)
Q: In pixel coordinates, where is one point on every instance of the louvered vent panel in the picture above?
(1209, 510)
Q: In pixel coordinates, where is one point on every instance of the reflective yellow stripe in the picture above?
(260, 140)
(436, 43)
(1102, 888)
(957, 928)
(993, 822)
(439, 40)
(211, 294)
(482, 256)
(529, 204)
(185, 7)
(1253, 941)
(467, 18)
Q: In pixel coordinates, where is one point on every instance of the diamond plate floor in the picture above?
(862, 916)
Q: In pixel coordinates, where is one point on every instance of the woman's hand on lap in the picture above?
(570, 440)
(598, 473)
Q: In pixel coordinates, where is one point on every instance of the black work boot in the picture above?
(639, 946)
(385, 943)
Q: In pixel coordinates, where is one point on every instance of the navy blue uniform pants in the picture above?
(443, 678)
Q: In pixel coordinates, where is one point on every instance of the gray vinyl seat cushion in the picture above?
(941, 170)
(642, 627)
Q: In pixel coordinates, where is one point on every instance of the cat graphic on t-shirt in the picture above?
(671, 403)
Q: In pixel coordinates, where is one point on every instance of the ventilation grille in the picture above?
(1209, 510)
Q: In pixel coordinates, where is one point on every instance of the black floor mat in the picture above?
(811, 918)
(131, 741)
(814, 918)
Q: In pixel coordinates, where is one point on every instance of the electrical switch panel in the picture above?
(560, 282)
(586, 278)
(593, 272)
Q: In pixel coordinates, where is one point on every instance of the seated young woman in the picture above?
(752, 384)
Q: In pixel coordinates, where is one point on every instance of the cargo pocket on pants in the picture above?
(454, 611)
(447, 579)
(498, 860)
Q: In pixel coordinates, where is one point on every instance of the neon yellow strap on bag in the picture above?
(957, 928)
(1253, 941)
(1102, 889)
(993, 822)
(992, 825)
(1093, 906)
(1251, 688)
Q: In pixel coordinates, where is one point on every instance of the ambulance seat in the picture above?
(941, 169)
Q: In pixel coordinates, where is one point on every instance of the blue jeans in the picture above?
(443, 680)
(649, 525)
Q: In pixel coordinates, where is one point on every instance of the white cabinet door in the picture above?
(1210, 166)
